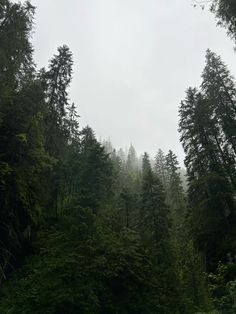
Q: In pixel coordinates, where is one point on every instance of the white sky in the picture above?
(133, 61)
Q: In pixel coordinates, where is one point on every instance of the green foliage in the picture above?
(154, 230)
(16, 62)
(22, 153)
(207, 120)
(83, 229)
(222, 287)
(225, 11)
(84, 267)
(94, 172)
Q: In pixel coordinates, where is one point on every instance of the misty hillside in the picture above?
(87, 227)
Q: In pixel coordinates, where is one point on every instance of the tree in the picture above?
(154, 209)
(219, 88)
(160, 167)
(94, 172)
(16, 63)
(225, 12)
(132, 160)
(22, 152)
(154, 228)
(56, 81)
(210, 188)
(175, 192)
(61, 126)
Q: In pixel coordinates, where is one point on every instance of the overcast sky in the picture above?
(133, 61)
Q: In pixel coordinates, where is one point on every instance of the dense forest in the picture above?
(86, 228)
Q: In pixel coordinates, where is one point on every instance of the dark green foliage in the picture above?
(94, 172)
(56, 81)
(84, 267)
(175, 193)
(225, 11)
(22, 154)
(207, 126)
(207, 122)
(61, 126)
(222, 286)
(129, 203)
(16, 62)
(83, 229)
(154, 209)
(154, 227)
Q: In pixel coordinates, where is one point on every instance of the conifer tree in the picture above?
(61, 125)
(154, 228)
(154, 211)
(175, 192)
(16, 63)
(132, 160)
(22, 153)
(225, 11)
(210, 188)
(160, 167)
(94, 172)
(56, 81)
(219, 89)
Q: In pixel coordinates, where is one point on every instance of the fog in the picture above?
(133, 61)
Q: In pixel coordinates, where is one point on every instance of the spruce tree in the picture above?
(219, 89)
(210, 189)
(225, 11)
(175, 192)
(61, 126)
(94, 172)
(154, 228)
(159, 167)
(23, 158)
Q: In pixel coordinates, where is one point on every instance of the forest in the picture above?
(87, 228)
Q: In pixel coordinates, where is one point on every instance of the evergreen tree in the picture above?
(132, 160)
(56, 81)
(175, 192)
(61, 126)
(22, 153)
(16, 63)
(219, 88)
(154, 209)
(121, 155)
(95, 170)
(104, 235)
(154, 228)
(225, 11)
(210, 189)
(159, 167)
